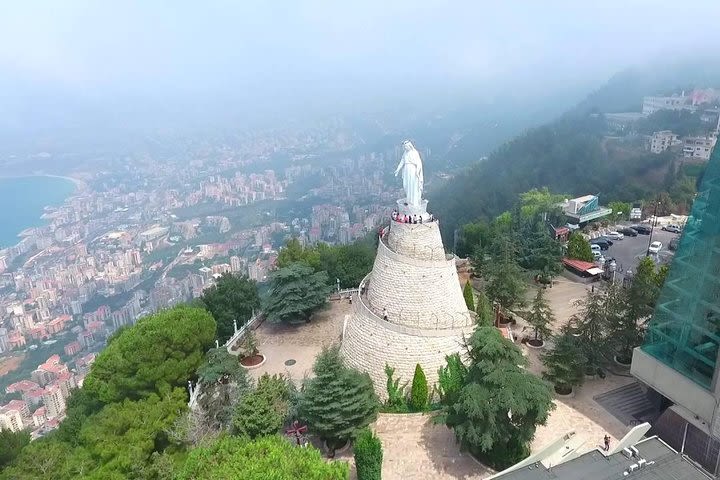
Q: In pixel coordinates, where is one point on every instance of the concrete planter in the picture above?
(565, 395)
(257, 365)
(625, 366)
(338, 451)
(535, 347)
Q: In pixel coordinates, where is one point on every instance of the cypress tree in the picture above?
(339, 401)
(419, 390)
(469, 298)
(368, 456)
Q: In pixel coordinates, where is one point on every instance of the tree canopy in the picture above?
(233, 297)
(269, 457)
(541, 316)
(500, 404)
(296, 291)
(506, 283)
(264, 410)
(579, 248)
(339, 401)
(565, 363)
(117, 442)
(12, 444)
(347, 263)
(160, 352)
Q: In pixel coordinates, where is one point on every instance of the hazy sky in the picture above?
(273, 51)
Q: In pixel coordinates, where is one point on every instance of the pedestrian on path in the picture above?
(607, 442)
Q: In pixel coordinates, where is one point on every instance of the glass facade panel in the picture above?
(684, 332)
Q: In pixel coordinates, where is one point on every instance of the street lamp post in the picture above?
(652, 228)
(337, 282)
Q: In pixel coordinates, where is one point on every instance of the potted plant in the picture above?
(251, 357)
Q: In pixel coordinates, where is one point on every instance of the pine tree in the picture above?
(419, 390)
(565, 363)
(339, 401)
(263, 411)
(500, 404)
(296, 291)
(541, 316)
(469, 297)
(484, 309)
(591, 326)
(505, 279)
(579, 248)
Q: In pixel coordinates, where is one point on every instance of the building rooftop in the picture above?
(662, 463)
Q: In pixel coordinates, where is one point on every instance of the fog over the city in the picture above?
(196, 58)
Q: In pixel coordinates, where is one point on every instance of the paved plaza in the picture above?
(301, 343)
(415, 448)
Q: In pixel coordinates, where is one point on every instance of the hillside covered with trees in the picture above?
(581, 153)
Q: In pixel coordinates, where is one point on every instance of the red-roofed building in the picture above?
(21, 386)
(73, 348)
(66, 382)
(20, 406)
(83, 363)
(39, 417)
(12, 416)
(54, 401)
(34, 397)
(57, 324)
(582, 268)
(16, 339)
(49, 371)
(39, 332)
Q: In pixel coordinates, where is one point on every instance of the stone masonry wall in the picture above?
(420, 240)
(369, 343)
(425, 293)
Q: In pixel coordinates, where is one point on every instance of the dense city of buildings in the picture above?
(156, 235)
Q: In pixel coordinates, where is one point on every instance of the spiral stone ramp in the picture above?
(410, 309)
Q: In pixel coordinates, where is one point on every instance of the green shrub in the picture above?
(419, 390)
(396, 401)
(368, 456)
(451, 379)
(469, 296)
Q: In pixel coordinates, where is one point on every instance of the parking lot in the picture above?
(628, 251)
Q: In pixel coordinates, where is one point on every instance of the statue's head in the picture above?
(408, 146)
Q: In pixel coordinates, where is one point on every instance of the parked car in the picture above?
(603, 243)
(595, 248)
(673, 244)
(615, 235)
(672, 228)
(628, 232)
(642, 229)
(597, 255)
(655, 247)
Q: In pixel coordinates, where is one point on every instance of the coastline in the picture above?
(78, 187)
(79, 184)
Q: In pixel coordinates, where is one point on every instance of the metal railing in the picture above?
(434, 321)
(242, 331)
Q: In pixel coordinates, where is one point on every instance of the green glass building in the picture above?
(684, 333)
(680, 355)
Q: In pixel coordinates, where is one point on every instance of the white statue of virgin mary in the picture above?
(412, 174)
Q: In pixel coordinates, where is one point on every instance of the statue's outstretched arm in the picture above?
(400, 165)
